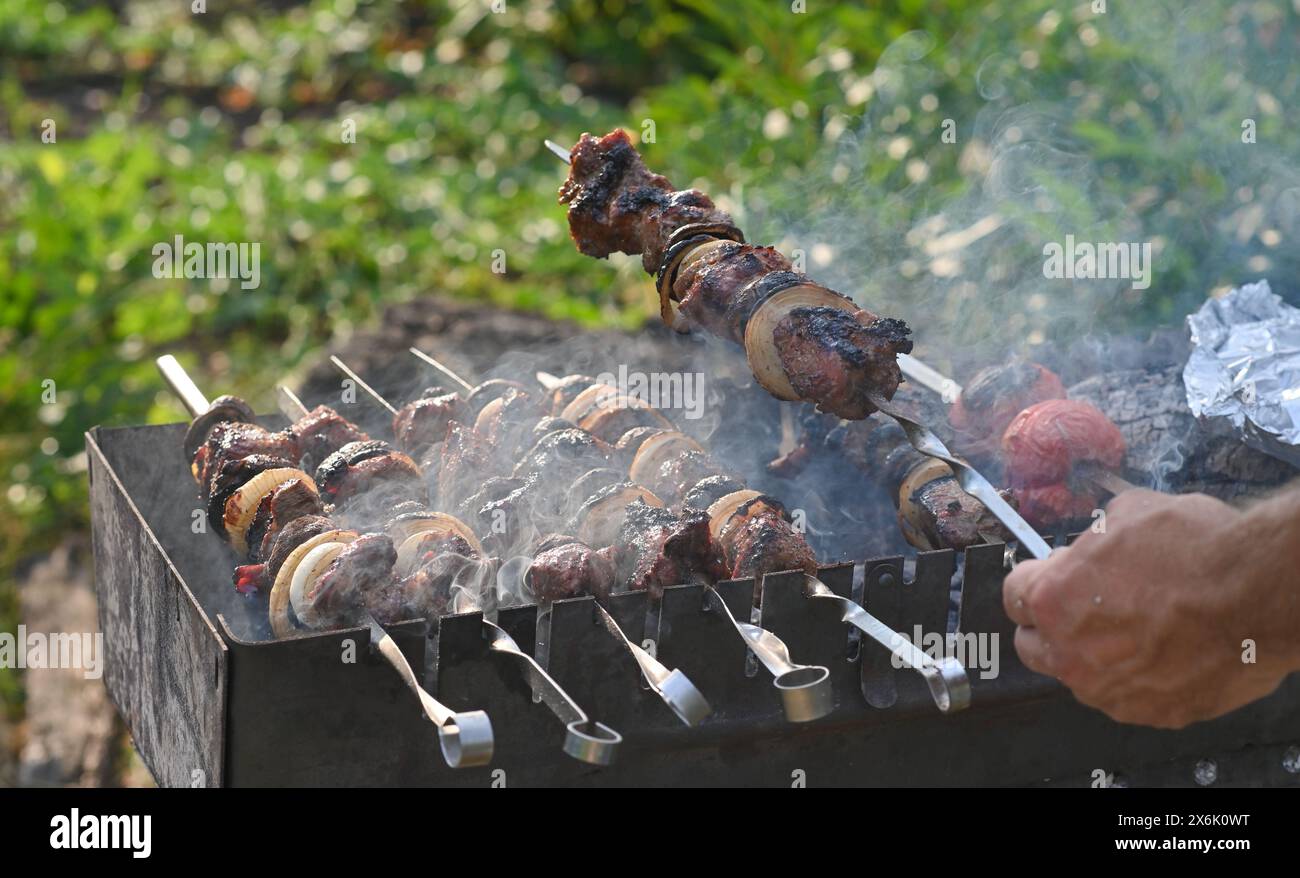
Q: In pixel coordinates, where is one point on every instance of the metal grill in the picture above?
(207, 705)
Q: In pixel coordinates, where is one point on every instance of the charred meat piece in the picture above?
(221, 409)
(758, 538)
(321, 432)
(289, 501)
(493, 388)
(422, 423)
(616, 205)
(445, 560)
(465, 461)
(566, 568)
(658, 548)
(956, 520)
(252, 577)
(610, 422)
(233, 440)
(561, 457)
(355, 581)
(370, 477)
(709, 490)
(835, 360)
(678, 474)
(715, 285)
(229, 477)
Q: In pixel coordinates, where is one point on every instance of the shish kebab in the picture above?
(626, 536)
(746, 523)
(802, 340)
(466, 738)
(326, 574)
(672, 686)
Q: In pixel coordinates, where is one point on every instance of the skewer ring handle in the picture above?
(592, 742)
(467, 740)
(805, 693)
(949, 685)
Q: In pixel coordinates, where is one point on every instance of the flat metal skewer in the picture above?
(561, 153)
(597, 746)
(370, 391)
(465, 385)
(949, 685)
(673, 687)
(466, 738)
(805, 689)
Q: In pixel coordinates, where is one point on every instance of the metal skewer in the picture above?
(805, 689)
(561, 153)
(673, 687)
(465, 385)
(343, 367)
(949, 685)
(598, 746)
(465, 738)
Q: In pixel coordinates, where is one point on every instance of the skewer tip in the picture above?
(560, 152)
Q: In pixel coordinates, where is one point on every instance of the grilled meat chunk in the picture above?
(561, 457)
(235, 440)
(567, 568)
(422, 423)
(678, 474)
(716, 281)
(464, 462)
(758, 538)
(354, 582)
(710, 489)
(289, 501)
(370, 476)
(321, 432)
(837, 359)
(616, 205)
(252, 577)
(658, 548)
(228, 478)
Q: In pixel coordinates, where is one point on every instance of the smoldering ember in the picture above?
(240, 261)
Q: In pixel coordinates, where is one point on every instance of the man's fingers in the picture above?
(1017, 589)
(1035, 652)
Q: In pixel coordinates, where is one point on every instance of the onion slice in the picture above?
(760, 345)
(281, 624)
(658, 450)
(242, 505)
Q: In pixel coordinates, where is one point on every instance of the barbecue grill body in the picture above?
(210, 704)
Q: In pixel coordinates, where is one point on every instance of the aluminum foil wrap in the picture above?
(1245, 367)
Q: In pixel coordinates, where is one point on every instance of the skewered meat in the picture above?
(1042, 447)
(995, 396)
(422, 423)
(290, 537)
(679, 474)
(708, 491)
(493, 388)
(220, 410)
(232, 474)
(838, 359)
(564, 567)
(354, 580)
(802, 341)
(385, 476)
(616, 205)
(658, 548)
(564, 392)
(321, 432)
(755, 536)
(289, 501)
(561, 457)
(463, 462)
(231, 440)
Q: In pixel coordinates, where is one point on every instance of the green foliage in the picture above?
(227, 126)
